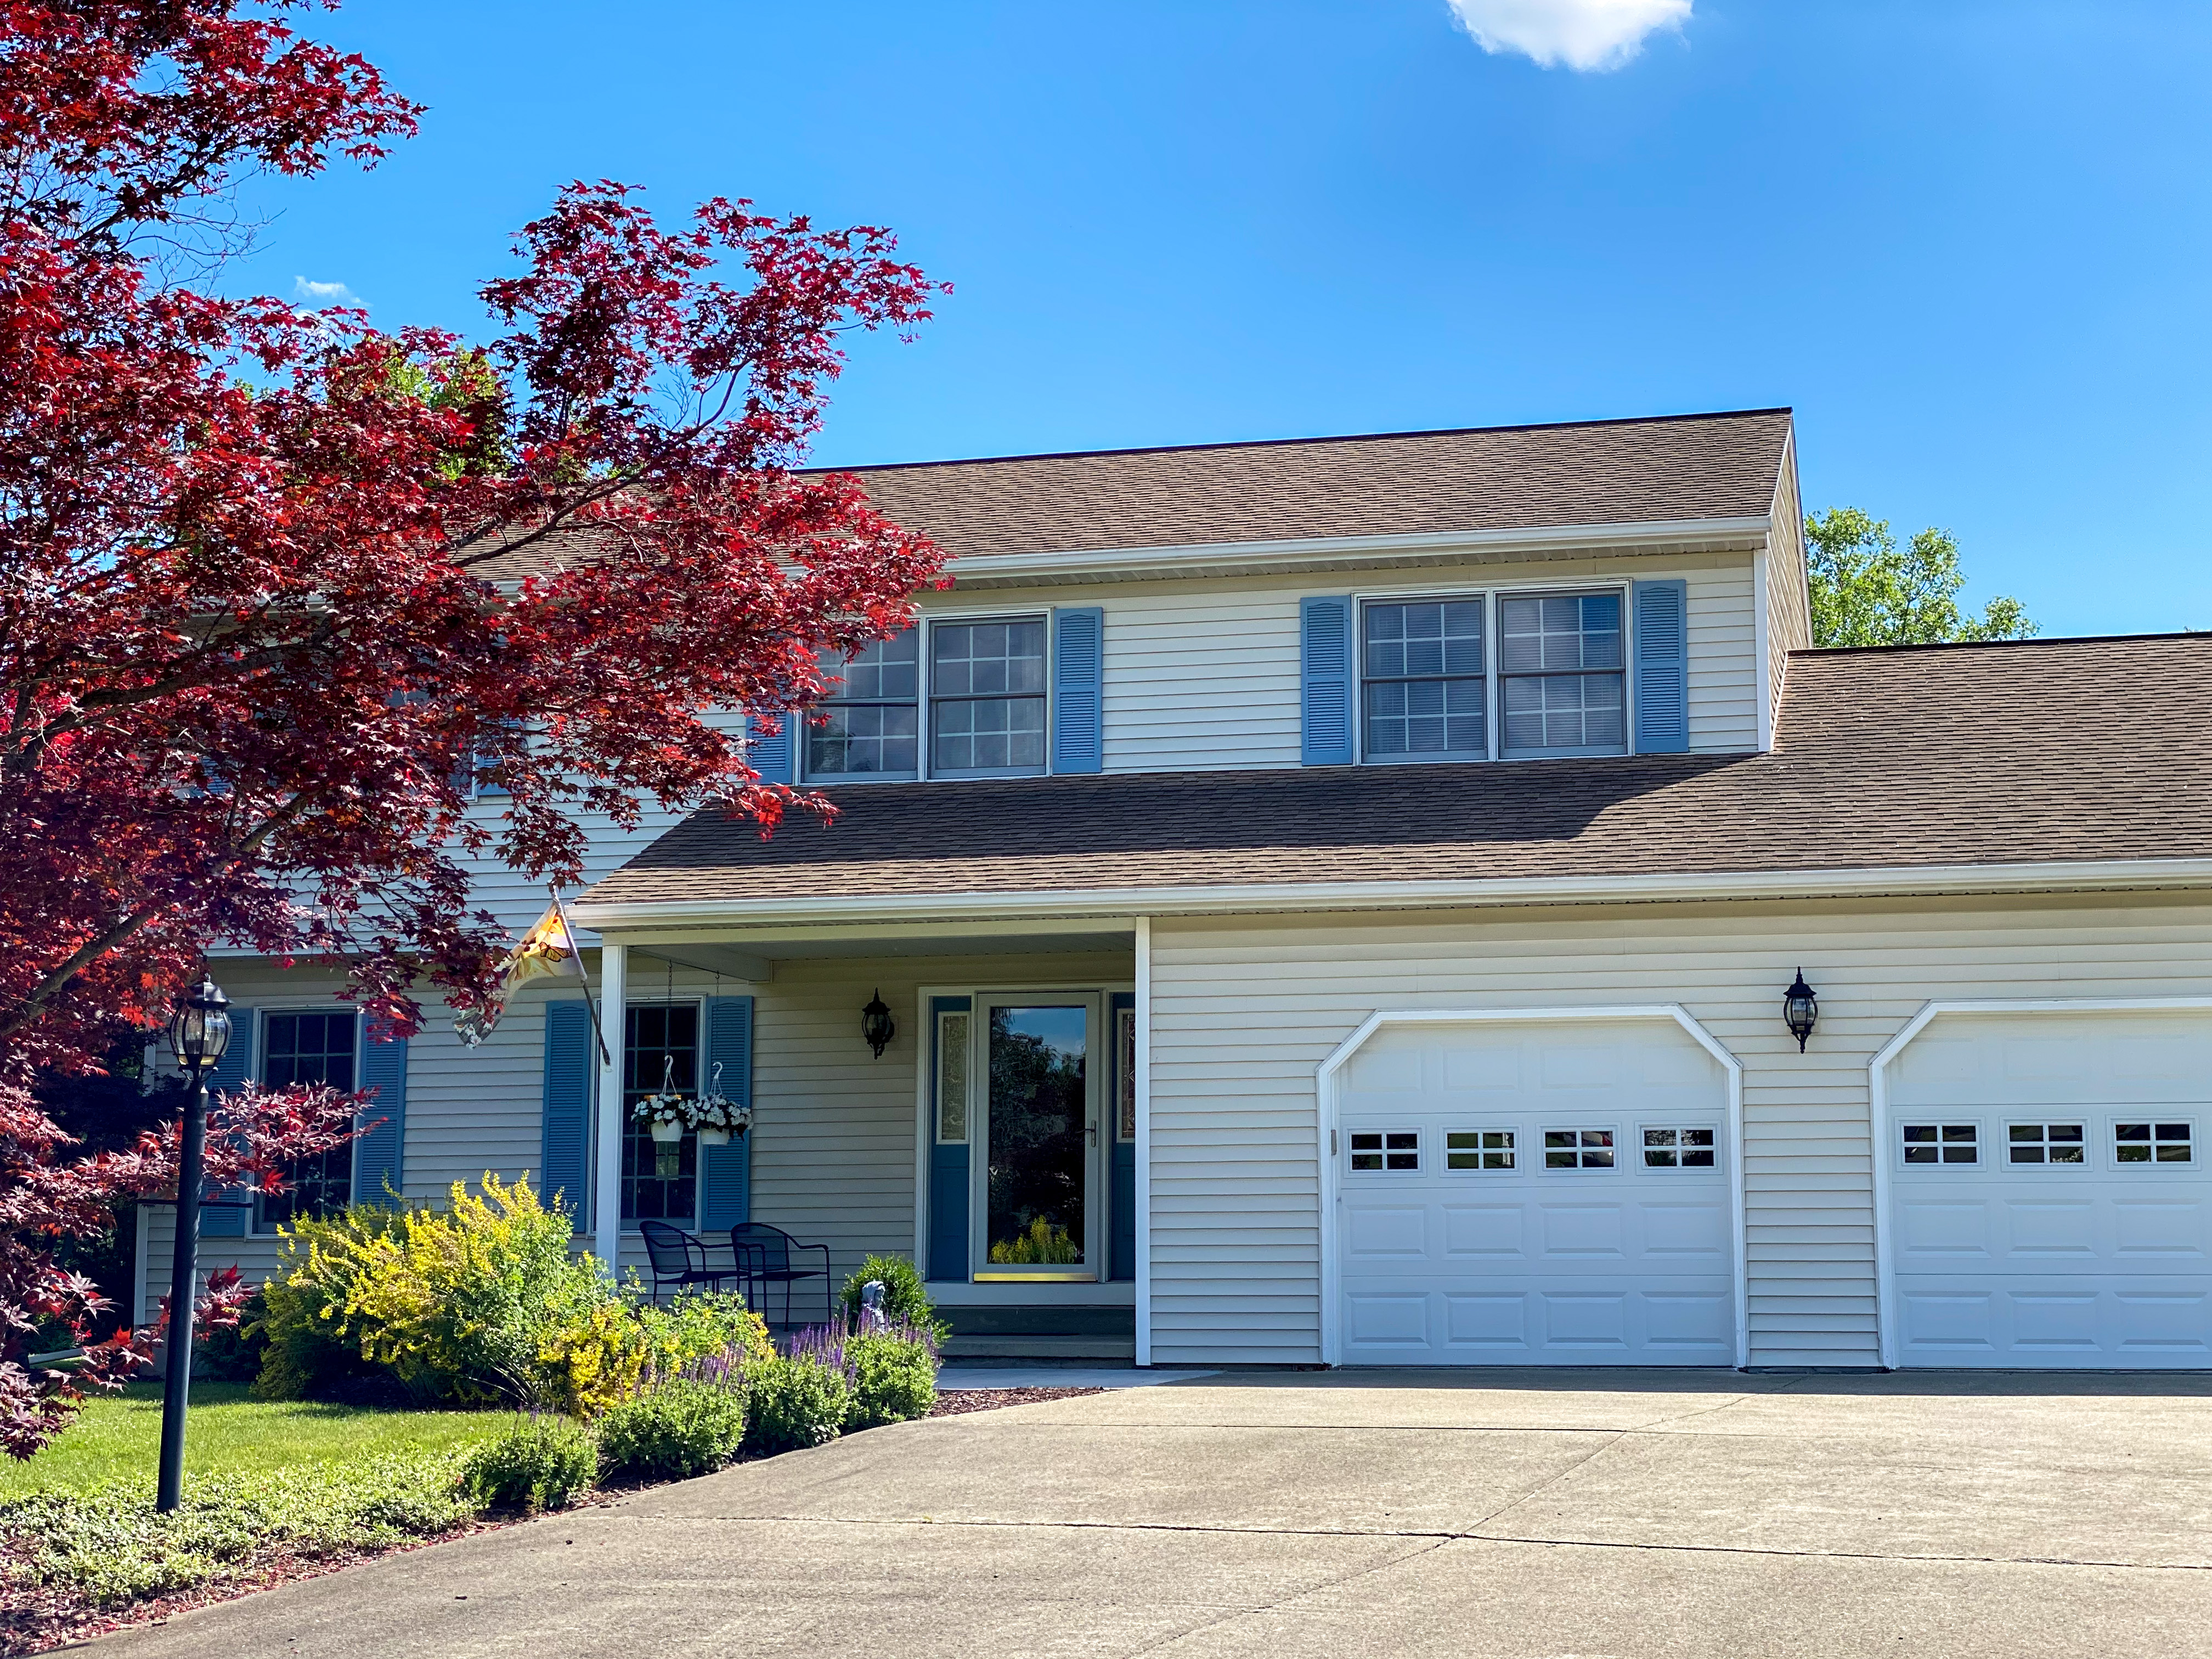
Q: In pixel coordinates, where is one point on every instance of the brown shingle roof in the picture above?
(1668, 469)
(1933, 756)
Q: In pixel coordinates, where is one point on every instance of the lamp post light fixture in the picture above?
(876, 1027)
(1801, 1010)
(199, 1032)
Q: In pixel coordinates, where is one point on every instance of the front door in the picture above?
(1037, 1204)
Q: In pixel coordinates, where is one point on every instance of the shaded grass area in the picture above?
(119, 1437)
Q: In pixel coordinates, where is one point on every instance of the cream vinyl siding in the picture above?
(1244, 1012)
(1789, 608)
(1203, 674)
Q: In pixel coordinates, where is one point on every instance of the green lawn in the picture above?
(228, 1433)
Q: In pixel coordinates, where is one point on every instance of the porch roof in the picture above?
(2013, 754)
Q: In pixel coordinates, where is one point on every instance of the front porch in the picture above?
(993, 1140)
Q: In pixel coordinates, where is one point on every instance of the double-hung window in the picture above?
(309, 1048)
(980, 687)
(869, 727)
(1423, 691)
(1562, 682)
(987, 698)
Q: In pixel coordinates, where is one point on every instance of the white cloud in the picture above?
(325, 294)
(1582, 34)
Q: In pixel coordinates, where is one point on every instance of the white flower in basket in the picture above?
(716, 1118)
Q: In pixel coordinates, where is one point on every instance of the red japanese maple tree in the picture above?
(278, 589)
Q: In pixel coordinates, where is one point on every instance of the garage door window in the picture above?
(1678, 1149)
(2151, 1143)
(1941, 1143)
(1479, 1149)
(2046, 1143)
(1578, 1149)
(1386, 1149)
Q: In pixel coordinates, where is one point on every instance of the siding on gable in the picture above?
(1203, 673)
(1244, 1012)
(1789, 608)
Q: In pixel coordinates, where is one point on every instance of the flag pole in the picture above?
(599, 1033)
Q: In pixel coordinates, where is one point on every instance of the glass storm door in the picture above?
(1038, 1213)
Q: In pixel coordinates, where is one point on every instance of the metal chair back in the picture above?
(670, 1250)
(768, 1248)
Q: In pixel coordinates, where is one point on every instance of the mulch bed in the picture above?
(34, 1619)
(956, 1402)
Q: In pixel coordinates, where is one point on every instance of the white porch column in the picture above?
(607, 1128)
(1144, 1081)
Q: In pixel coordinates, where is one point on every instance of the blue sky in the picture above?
(1971, 243)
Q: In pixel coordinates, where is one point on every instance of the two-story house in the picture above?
(1335, 902)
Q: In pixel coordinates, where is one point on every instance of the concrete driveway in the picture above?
(1285, 1515)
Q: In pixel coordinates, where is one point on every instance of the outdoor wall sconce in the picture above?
(876, 1027)
(1801, 1010)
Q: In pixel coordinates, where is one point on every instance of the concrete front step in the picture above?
(1004, 1346)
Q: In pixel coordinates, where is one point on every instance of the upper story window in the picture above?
(1431, 686)
(979, 685)
(987, 693)
(869, 726)
(1424, 689)
(1563, 683)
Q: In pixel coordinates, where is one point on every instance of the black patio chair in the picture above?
(764, 1256)
(678, 1259)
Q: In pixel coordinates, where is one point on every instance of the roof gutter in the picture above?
(2099, 875)
(1546, 538)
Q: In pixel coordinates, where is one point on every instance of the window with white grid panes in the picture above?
(1679, 1148)
(2046, 1143)
(987, 698)
(2152, 1143)
(309, 1048)
(1385, 1150)
(1563, 683)
(1479, 1149)
(1941, 1143)
(1578, 1149)
(868, 726)
(1423, 691)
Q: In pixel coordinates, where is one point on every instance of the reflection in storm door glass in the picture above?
(1037, 1136)
(1125, 1073)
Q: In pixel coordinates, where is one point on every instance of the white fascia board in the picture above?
(1541, 538)
(2102, 874)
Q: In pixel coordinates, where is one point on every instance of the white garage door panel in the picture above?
(2100, 1263)
(1628, 1265)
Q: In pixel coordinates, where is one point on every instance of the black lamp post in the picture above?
(199, 1031)
(1800, 1009)
(876, 1027)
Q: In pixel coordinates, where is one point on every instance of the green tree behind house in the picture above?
(1869, 591)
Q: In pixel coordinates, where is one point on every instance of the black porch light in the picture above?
(1801, 1010)
(199, 1032)
(876, 1027)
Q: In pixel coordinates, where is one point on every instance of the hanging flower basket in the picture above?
(715, 1117)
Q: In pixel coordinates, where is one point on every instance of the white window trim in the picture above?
(1547, 1168)
(923, 773)
(1494, 678)
(1516, 1149)
(1681, 1125)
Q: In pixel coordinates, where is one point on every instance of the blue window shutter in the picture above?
(770, 757)
(1326, 676)
(1078, 689)
(1662, 667)
(725, 1173)
(564, 1160)
(378, 1155)
(236, 1067)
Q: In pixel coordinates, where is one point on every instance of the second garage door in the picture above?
(2049, 1201)
(1537, 1192)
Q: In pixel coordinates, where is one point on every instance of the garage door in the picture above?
(2048, 1191)
(1534, 1193)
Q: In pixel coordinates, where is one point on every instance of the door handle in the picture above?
(1092, 1130)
